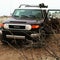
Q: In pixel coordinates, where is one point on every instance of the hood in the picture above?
(23, 21)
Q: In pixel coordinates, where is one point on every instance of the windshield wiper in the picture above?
(24, 16)
(34, 17)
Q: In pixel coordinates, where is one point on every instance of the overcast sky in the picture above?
(8, 6)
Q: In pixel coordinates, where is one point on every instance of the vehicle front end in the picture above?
(25, 24)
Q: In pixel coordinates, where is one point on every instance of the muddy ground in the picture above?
(49, 52)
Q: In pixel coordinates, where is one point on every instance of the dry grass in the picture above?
(3, 18)
(11, 53)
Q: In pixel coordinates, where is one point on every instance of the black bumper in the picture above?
(16, 32)
(28, 34)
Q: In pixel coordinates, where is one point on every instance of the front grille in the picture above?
(16, 27)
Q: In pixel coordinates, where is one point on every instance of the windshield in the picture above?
(28, 14)
(54, 14)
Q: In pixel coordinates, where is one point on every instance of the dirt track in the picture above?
(10, 53)
(7, 52)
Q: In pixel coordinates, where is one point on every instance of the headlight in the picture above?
(28, 27)
(6, 26)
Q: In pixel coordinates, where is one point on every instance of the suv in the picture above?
(24, 25)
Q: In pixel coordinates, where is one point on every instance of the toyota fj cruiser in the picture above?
(25, 24)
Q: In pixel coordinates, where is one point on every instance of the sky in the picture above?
(7, 6)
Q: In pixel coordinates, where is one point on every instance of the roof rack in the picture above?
(28, 5)
(42, 5)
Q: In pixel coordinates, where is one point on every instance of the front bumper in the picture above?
(21, 37)
(17, 34)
